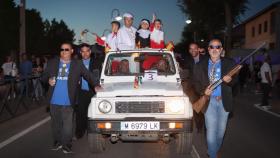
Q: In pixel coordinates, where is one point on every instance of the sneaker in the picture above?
(67, 150)
(56, 146)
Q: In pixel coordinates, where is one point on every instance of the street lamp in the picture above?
(194, 33)
(117, 17)
(188, 21)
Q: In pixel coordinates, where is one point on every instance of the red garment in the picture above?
(153, 43)
(149, 61)
(115, 66)
(100, 41)
(156, 45)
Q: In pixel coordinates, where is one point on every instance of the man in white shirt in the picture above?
(111, 39)
(126, 34)
(266, 80)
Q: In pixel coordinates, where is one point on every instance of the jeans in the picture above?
(216, 121)
(62, 124)
(266, 88)
(24, 87)
(37, 88)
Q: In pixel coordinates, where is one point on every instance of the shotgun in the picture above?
(202, 103)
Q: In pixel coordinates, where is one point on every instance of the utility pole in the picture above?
(22, 43)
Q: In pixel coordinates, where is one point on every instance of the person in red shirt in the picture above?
(157, 35)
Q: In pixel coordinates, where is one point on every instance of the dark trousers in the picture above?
(81, 112)
(62, 123)
(198, 120)
(266, 90)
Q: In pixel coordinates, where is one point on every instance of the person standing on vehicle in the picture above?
(126, 34)
(110, 42)
(220, 104)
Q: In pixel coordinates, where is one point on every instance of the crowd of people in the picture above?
(26, 74)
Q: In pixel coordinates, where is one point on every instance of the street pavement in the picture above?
(252, 133)
(38, 143)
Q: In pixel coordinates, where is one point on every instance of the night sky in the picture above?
(95, 15)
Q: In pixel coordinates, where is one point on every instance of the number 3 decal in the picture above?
(151, 76)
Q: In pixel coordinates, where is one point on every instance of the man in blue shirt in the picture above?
(85, 91)
(220, 105)
(63, 75)
(25, 71)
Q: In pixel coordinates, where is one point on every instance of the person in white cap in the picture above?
(126, 34)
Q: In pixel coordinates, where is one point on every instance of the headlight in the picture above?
(105, 106)
(176, 106)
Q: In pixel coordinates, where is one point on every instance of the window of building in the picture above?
(272, 22)
(253, 31)
(260, 28)
(265, 26)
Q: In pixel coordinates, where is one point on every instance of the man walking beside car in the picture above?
(220, 104)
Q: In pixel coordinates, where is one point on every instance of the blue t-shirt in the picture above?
(216, 76)
(84, 82)
(25, 68)
(60, 94)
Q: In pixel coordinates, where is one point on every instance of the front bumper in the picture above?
(164, 126)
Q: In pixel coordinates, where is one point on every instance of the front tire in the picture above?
(96, 142)
(184, 143)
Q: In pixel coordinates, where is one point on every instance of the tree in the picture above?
(233, 10)
(9, 27)
(212, 18)
(41, 36)
(35, 39)
(57, 33)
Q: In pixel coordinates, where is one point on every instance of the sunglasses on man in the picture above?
(215, 47)
(64, 50)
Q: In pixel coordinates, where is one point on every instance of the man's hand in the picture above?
(51, 81)
(227, 78)
(98, 88)
(208, 91)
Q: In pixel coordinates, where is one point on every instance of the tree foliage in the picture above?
(41, 36)
(211, 18)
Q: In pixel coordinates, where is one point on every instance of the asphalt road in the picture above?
(38, 143)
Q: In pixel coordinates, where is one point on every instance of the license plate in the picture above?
(140, 126)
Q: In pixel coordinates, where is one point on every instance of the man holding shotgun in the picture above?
(219, 104)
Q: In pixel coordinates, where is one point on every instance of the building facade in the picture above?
(263, 27)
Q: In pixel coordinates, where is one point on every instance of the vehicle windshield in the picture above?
(130, 64)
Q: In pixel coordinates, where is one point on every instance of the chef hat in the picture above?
(127, 15)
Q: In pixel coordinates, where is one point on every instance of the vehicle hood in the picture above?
(127, 89)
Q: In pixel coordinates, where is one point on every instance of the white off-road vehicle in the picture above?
(142, 100)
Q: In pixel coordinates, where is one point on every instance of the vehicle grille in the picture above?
(140, 107)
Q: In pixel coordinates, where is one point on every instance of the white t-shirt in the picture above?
(126, 38)
(8, 67)
(265, 68)
(111, 40)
